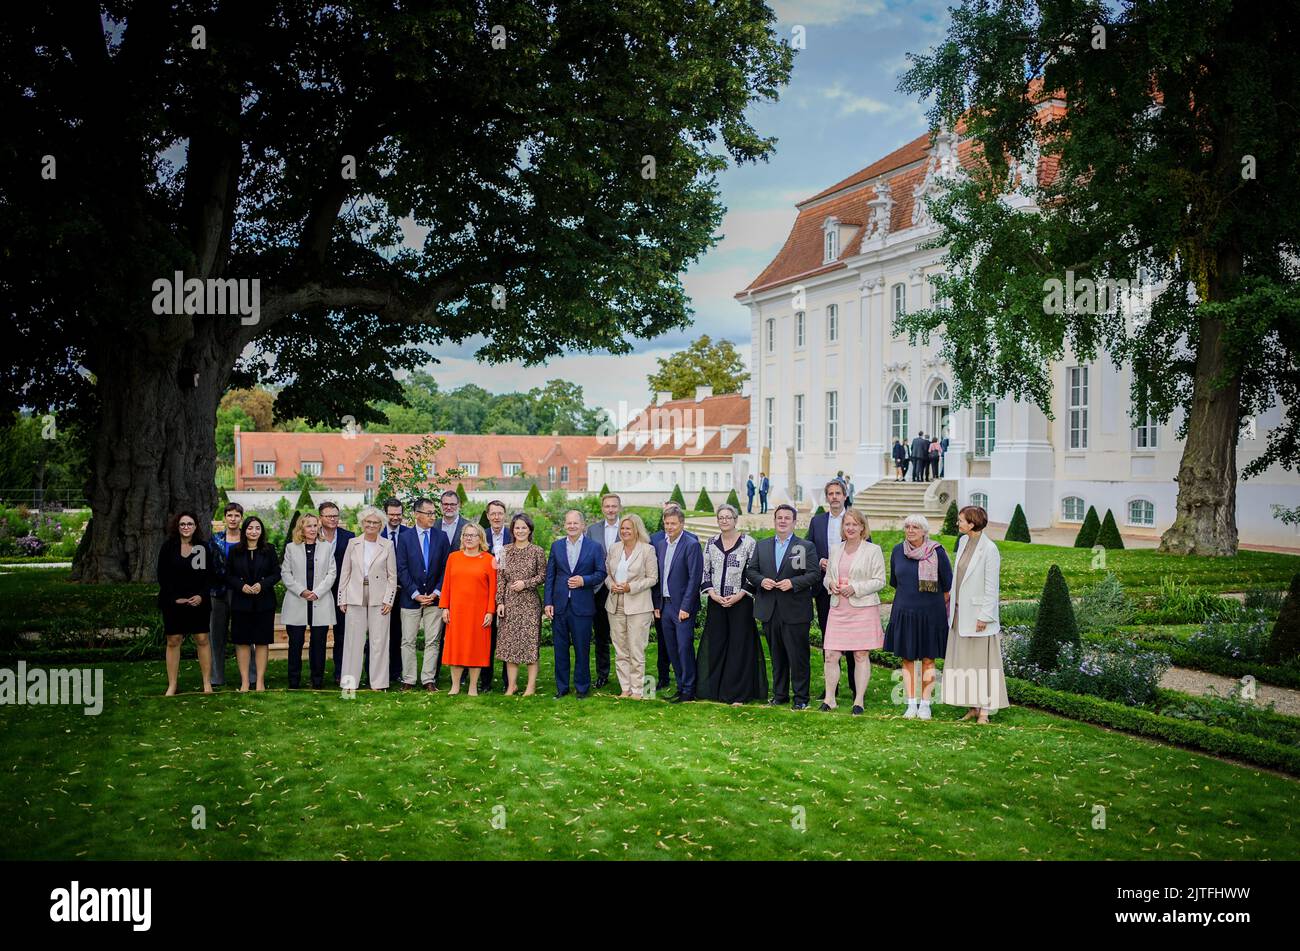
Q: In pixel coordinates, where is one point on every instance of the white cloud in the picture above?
(851, 102)
(824, 12)
(757, 229)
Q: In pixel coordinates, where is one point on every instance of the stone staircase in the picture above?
(887, 503)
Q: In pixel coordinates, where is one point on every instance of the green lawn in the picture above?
(314, 775)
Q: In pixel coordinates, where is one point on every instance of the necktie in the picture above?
(424, 543)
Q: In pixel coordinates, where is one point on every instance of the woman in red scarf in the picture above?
(921, 575)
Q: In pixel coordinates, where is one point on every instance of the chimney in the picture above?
(703, 393)
(662, 397)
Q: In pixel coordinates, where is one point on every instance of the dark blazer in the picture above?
(920, 448)
(591, 565)
(794, 606)
(764, 485)
(341, 538)
(411, 576)
(900, 452)
(819, 532)
(491, 541)
(179, 578)
(251, 567)
(687, 573)
(749, 487)
(461, 522)
(401, 530)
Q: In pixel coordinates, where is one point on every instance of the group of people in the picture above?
(479, 597)
(925, 455)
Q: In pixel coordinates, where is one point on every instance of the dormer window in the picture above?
(832, 246)
(830, 240)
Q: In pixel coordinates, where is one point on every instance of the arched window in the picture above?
(1072, 509)
(981, 499)
(1142, 512)
(898, 423)
(939, 408)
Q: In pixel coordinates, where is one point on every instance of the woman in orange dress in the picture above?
(468, 602)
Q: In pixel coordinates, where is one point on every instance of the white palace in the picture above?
(831, 380)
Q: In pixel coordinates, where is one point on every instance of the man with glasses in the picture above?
(421, 559)
(336, 539)
(393, 531)
(452, 522)
(497, 537)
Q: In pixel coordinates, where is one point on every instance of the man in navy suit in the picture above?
(393, 531)
(920, 457)
(575, 569)
(421, 559)
(825, 533)
(783, 572)
(662, 660)
(337, 538)
(676, 597)
(749, 494)
(764, 486)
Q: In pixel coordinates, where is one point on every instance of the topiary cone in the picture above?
(950, 519)
(677, 496)
(1055, 625)
(1284, 642)
(1108, 534)
(733, 499)
(1018, 530)
(1087, 536)
(704, 503)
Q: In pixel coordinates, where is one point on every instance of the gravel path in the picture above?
(1195, 682)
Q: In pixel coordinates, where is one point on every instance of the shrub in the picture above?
(1119, 670)
(604, 491)
(1264, 600)
(820, 510)
(950, 519)
(461, 493)
(733, 499)
(1108, 535)
(1105, 607)
(1055, 625)
(1181, 603)
(30, 546)
(483, 522)
(1018, 530)
(1245, 638)
(704, 503)
(1087, 536)
(655, 523)
(222, 501)
(305, 504)
(677, 496)
(1231, 712)
(534, 498)
(1284, 642)
(1018, 612)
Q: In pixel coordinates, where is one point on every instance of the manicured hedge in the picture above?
(1209, 739)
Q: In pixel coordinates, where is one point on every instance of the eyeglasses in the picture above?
(425, 512)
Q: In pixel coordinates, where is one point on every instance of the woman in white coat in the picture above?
(308, 576)
(366, 589)
(972, 666)
(855, 575)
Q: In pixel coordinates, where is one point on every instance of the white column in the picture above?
(867, 460)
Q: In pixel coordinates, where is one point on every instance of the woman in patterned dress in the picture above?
(729, 665)
(855, 574)
(521, 568)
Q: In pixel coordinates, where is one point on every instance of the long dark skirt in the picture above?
(730, 667)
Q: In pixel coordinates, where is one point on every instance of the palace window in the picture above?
(1078, 418)
(798, 423)
(1141, 512)
(898, 414)
(471, 468)
(985, 429)
(800, 330)
(370, 473)
(832, 421)
(511, 468)
(980, 499)
(1072, 509)
(263, 468)
(832, 323)
(771, 334)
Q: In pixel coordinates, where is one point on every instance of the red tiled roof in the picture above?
(709, 414)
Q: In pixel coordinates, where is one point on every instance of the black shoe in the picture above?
(561, 694)
(799, 706)
(601, 681)
(317, 685)
(825, 708)
(661, 686)
(857, 711)
(776, 703)
(582, 696)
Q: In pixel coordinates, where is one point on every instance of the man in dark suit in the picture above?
(676, 597)
(824, 532)
(943, 456)
(900, 460)
(749, 494)
(421, 559)
(605, 534)
(451, 522)
(662, 657)
(920, 453)
(764, 486)
(783, 573)
(498, 537)
(574, 570)
(393, 531)
(338, 538)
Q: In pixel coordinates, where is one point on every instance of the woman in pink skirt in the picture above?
(855, 574)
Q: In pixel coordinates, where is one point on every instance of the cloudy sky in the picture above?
(839, 113)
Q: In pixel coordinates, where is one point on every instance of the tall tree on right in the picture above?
(1155, 143)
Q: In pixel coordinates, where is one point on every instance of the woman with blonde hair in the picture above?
(921, 576)
(631, 570)
(307, 571)
(855, 575)
(972, 666)
(367, 587)
(468, 602)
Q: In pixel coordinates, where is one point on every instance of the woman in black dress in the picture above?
(729, 665)
(252, 570)
(184, 595)
(921, 575)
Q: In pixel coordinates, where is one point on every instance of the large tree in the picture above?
(1175, 164)
(703, 363)
(554, 163)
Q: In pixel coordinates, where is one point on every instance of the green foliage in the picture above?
(677, 496)
(604, 491)
(1179, 600)
(1108, 535)
(413, 474)
(227, 419)
(950, 519)
(1113, 669)
(1018, 613)
(461, 493)
(534, 498)
(483, 522)
(304, 503)
(1087, 536)
(1055, 624)
(703, 363)
(1018, 530)
(703, 503)
(33, 466)
(1284, 642)
(821, 510)
(223, 500)
(734, 499)
(1105, 607)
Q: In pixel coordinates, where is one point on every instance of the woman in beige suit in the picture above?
(631, 570)
(972, 667)
(855, 575)
(366, 589)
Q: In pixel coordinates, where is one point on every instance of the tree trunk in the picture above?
(1206, 519)
(153, 456)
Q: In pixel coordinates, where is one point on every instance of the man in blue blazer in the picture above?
(574, 570)
(676, 597)
(825, 532)
(338, 538)
(421, 559)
